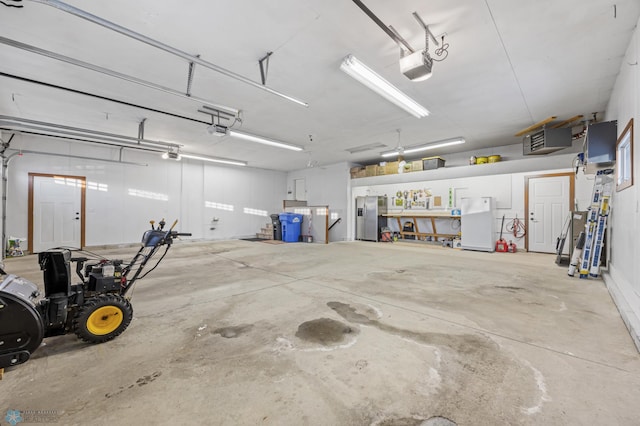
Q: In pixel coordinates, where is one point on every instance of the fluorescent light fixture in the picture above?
(424, 147)
(363, 148)
(171, 155)
(373, 81)
(215, 159)
(263, 140)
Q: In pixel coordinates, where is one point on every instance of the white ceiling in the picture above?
(511, 64)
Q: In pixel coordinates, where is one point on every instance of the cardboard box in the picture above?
(391, 168)
(371, 170)
(355, 170)
(416, 166)
(431, 163)
(381, 171)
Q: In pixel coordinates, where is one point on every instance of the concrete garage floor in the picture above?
(247, 333)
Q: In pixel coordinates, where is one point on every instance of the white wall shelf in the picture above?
(528, 164)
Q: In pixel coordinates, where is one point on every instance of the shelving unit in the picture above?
(526, 164)
(414, 216)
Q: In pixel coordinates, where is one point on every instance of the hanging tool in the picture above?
(516, 227)
(577, 254)
(501, 244)
(561, 239)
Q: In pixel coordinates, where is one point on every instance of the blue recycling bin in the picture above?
(290, 227)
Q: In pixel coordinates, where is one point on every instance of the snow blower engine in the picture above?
(96, 309)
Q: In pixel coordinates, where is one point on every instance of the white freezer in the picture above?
(477, 224)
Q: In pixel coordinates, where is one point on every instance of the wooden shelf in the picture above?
(414, 216)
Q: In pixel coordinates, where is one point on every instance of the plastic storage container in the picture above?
(430, 163)
(290, 227)
(277, 227)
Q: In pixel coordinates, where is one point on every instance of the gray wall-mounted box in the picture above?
(601, 142)
(546, 141)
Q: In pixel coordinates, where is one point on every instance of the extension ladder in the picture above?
(596, 223)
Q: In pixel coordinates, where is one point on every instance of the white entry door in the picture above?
(56, 212)
(548, 212)
(300, 190)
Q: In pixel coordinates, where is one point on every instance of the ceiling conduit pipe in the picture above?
(159, 45)
(17, 123)
(112, 73)
(93, 95)
(3, 173)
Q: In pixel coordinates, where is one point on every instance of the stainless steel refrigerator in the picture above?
(477, 220)
(369, 217)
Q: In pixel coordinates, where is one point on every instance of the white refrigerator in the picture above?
(477, 224)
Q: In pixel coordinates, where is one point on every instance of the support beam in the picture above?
(159, 45)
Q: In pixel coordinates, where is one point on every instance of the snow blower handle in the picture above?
(180, 234)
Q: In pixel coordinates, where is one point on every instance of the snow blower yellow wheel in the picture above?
(102, 318)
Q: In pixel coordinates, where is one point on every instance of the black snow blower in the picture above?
(96, 309)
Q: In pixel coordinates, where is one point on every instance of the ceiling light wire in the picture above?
(513, 71)
(14, 3)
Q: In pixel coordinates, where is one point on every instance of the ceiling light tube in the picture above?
(373, 81)
(390, 153)
(263, 140)
(215, 159)
(425, 147)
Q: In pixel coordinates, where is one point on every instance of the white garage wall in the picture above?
(624, 270)
(504, 181)
(506, 189)
(326, 185)
(194, 192)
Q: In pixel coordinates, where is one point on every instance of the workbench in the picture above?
(432, 216)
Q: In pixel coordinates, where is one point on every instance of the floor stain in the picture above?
(417, 421)
(507, 287)
(144, 380)
(404, 421)
(439, 421)
(232, 332)
(465, 343)
(474, 368)
(324, 331)
(361, 363)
